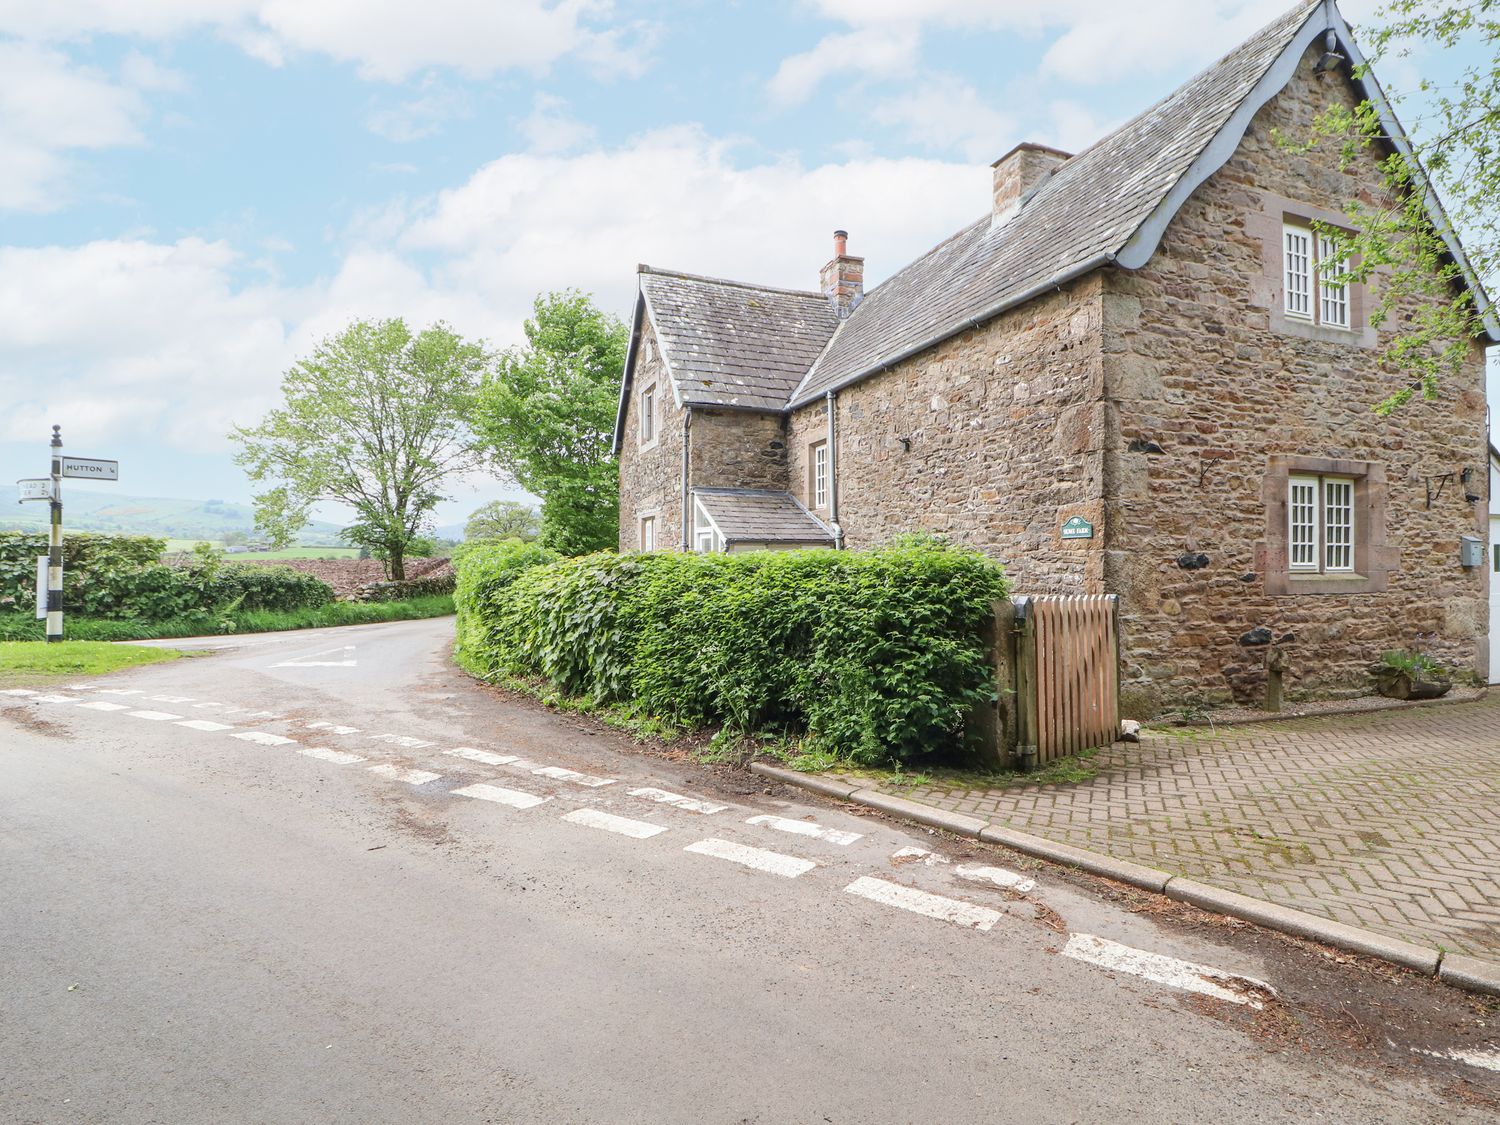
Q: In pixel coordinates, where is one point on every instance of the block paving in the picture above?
(1387, 820)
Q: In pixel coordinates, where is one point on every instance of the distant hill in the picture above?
(152, 515)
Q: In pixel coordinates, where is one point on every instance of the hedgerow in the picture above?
(120, 577)
(875, 655)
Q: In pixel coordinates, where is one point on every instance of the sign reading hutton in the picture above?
(1077, 528)
(49, 568)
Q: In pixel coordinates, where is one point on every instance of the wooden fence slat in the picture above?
(1070, 677)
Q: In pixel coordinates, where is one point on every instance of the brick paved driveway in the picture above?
(1388, 820)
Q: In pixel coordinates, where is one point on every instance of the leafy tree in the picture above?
(504, 519)
(1455, 157)
(375, 419)
(547, 415)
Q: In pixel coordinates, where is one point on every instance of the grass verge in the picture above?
(1072, 770)
(22, 627)
(24, 662)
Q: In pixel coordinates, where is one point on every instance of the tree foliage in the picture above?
(1423, 297)
(547, 415)
(504, 519)
(375, 418)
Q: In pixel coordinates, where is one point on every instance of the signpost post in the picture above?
(49, 602)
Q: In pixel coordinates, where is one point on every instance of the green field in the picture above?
(29, 662)
(300, 553)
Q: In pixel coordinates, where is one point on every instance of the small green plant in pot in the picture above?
(1410, 675)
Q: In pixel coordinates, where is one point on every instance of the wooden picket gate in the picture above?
(1067, 675)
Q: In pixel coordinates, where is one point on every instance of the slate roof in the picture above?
(1089, 207)
(731, 344)
(749, 515)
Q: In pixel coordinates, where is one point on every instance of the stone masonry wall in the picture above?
(738, 449)
(651, 478)
(1200, 361)
(992, 438)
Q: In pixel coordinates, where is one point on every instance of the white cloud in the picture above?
(550, 128)
(878, 52)
(947, 114)
(48, 108)
(421, 116)
(385, 39)
(169, 342)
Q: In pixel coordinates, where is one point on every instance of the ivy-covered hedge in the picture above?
(876, 655)
(120, 577)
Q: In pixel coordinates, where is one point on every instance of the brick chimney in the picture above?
(843, 278)
(1018, 172)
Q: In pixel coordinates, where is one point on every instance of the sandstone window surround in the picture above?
(1325, 527)
(648, 416)
(648, 532)
(1292, 286)
(817, 469)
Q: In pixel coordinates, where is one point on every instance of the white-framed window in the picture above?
(1297, 260)
(1320, 524)
(706, 537)
(1334, 303)
(818, 475)
(648, 414)
(1308, 266)
(648, 533)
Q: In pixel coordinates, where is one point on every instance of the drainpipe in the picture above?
(687, 487)
(832, 399)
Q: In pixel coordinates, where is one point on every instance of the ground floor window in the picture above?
(648, 533)
(1325, 526)
(1320, 524)
(706, 537)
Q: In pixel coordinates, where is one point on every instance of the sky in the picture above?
(193, 193)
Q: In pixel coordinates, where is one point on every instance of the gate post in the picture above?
(1026, 702)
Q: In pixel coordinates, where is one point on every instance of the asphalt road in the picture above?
(197, 926)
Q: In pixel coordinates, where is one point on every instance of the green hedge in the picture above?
(877, 655)
(120, 577)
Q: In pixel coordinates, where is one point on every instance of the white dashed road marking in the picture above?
(560, 774)
(54, 699)
(338, 757)
(635, 829)
(103, 705)
(997, 876)
(482, 756)
(332, 728)
(345, 654)
(501, 796)
(262, 738)
(400, 773)
(920, 902)
(203, 724)
(1163, 970)
(120, 691)
(155, 716)
(1485, 1060)
(171, 699)
(400, 740)
(774, 863)
(17, 691)
(689, 804)
(928, 858)
(806, 828)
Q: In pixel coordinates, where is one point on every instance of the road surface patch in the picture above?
(920, 902)
(774, 863)
(154, 716)
(1186, 975)
(806, 828)
(332, 728)
(203, 724)
(104, 705)
(401, 773)
(263, 738)
(483, 756)
(557, 773)
(996, 876)
(677, 801)
(624, 826)
(322, 753)
(502, 796)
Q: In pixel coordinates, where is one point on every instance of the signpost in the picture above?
(49, 605)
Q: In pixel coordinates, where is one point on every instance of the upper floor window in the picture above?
(1310, 263)
(648, 414)
(1320, 524)
(818, 475)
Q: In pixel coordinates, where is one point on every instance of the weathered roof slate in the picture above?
(1088, 208)
(731, 344)
(749, 515)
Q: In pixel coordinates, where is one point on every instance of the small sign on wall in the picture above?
(1077, 527)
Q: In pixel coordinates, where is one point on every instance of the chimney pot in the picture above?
(840, 243)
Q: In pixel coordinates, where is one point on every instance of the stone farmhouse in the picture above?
(1132, 375)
